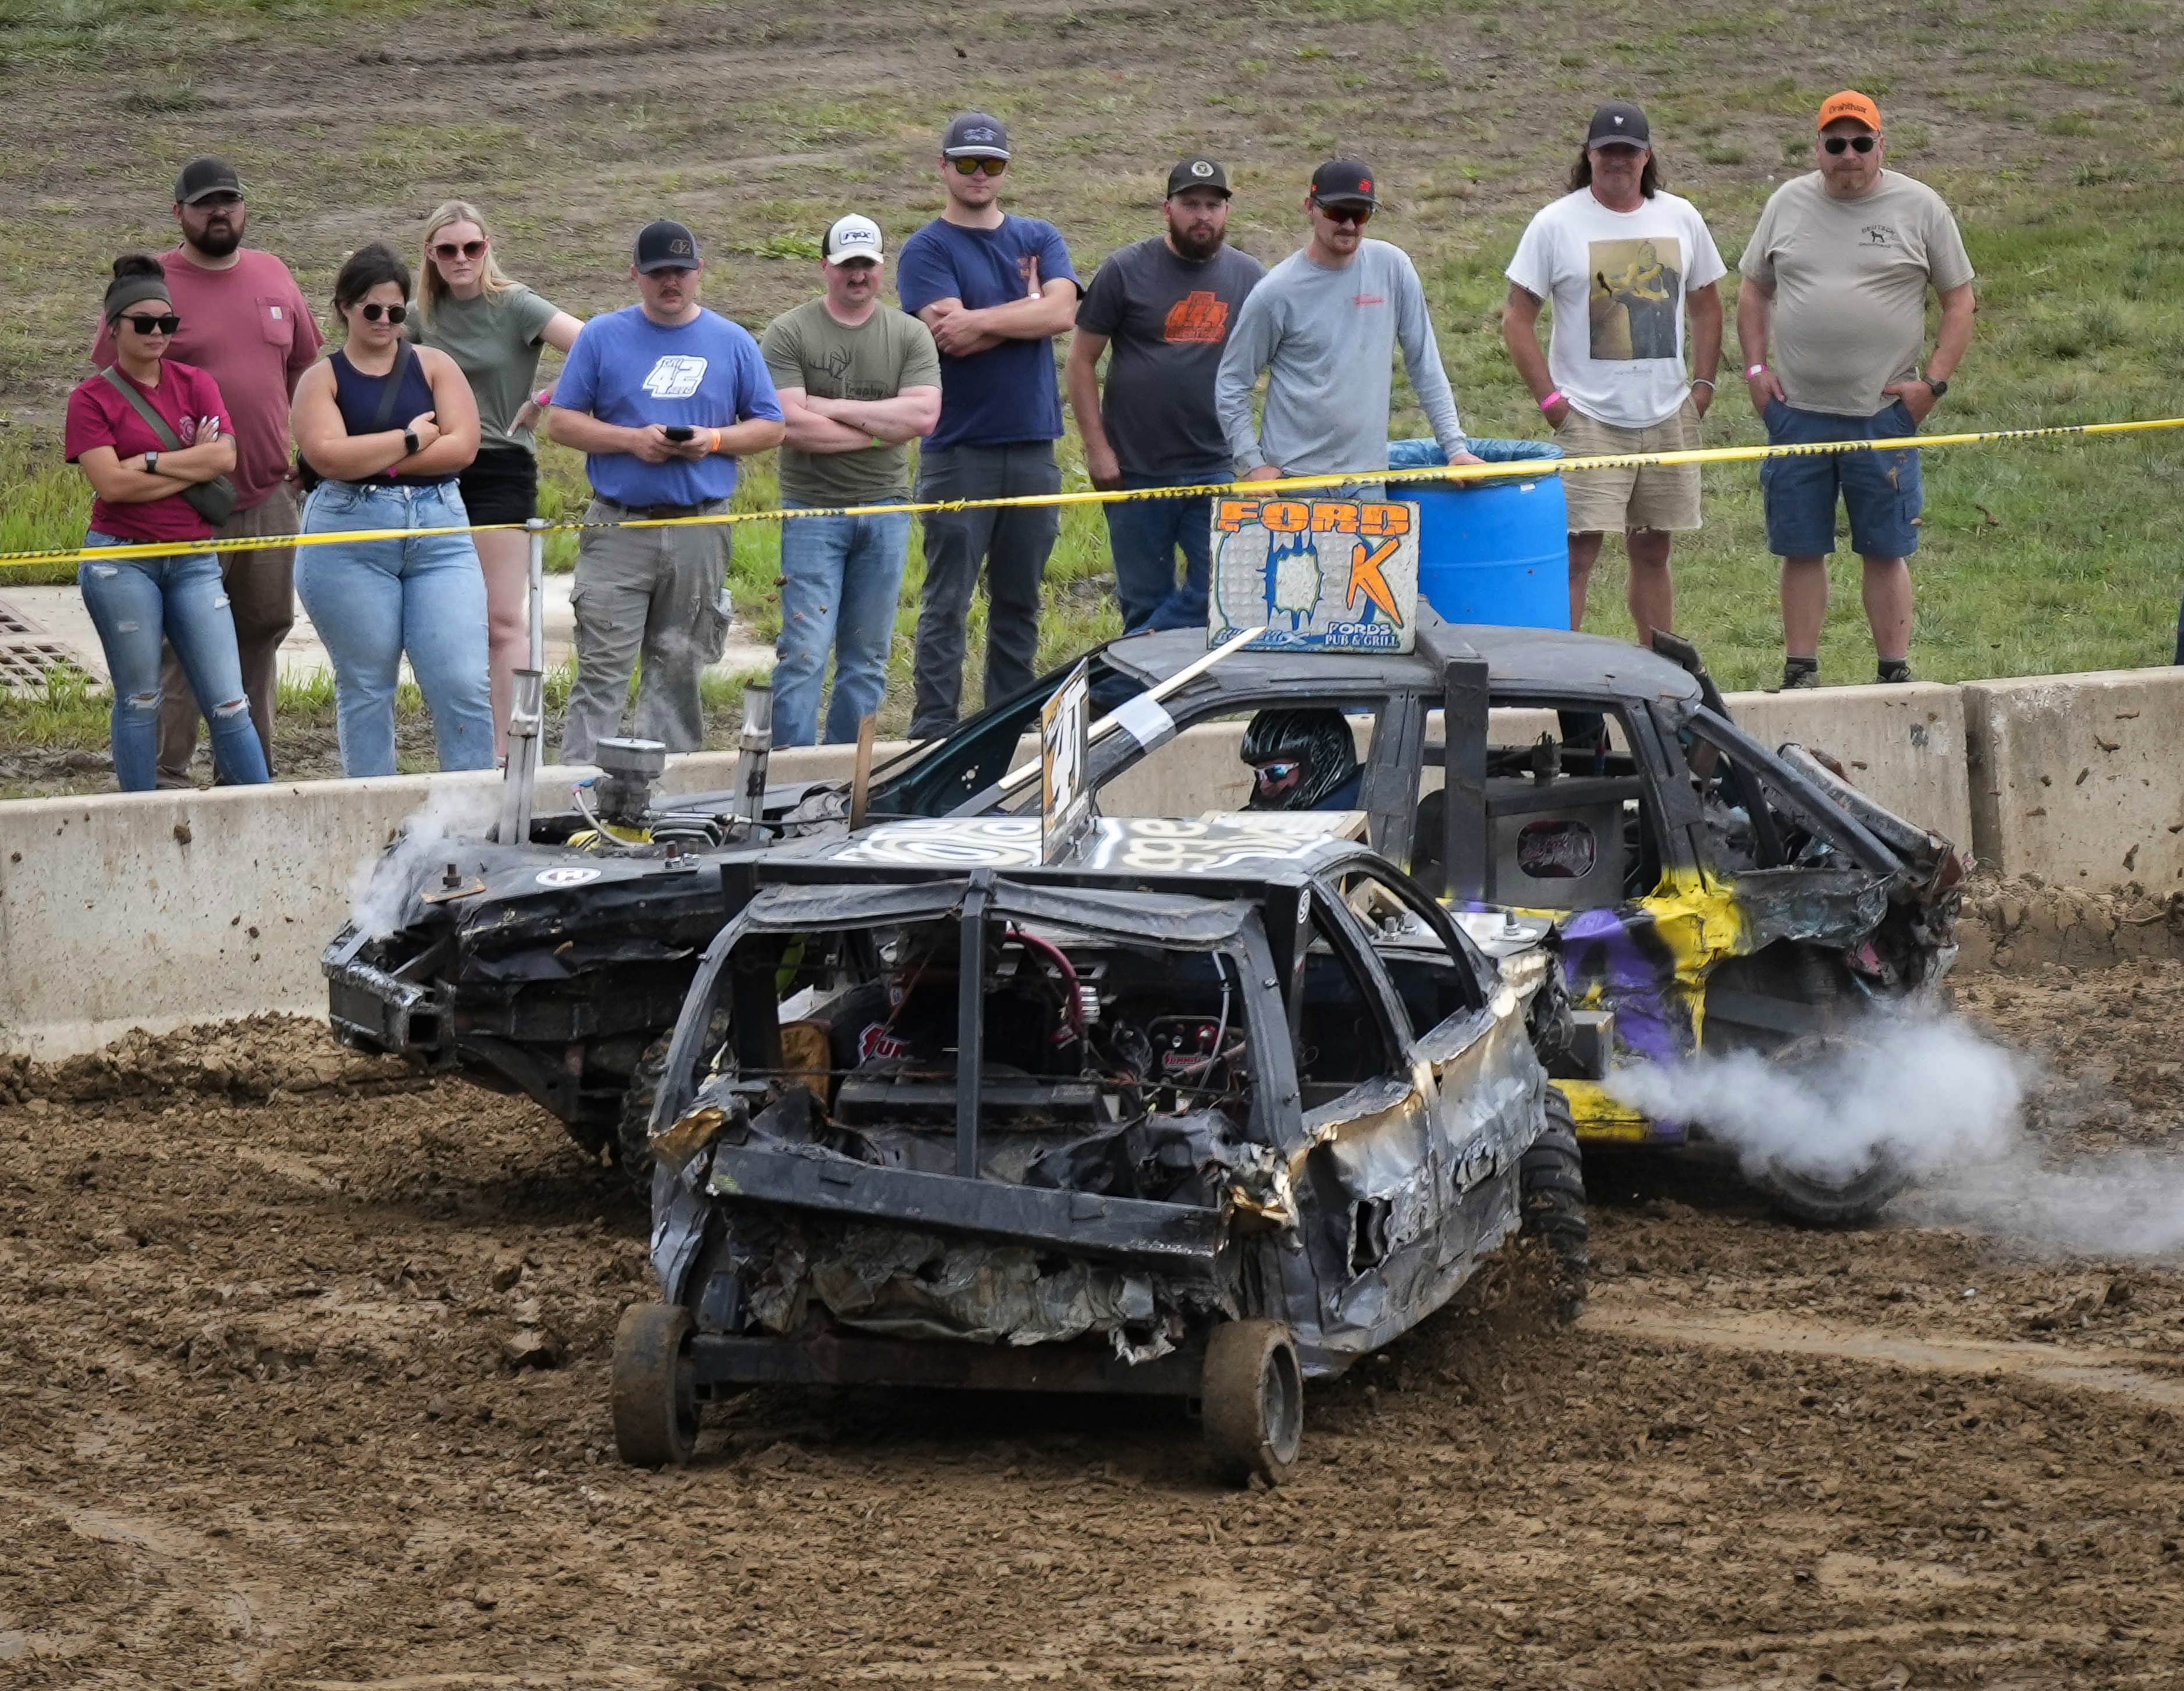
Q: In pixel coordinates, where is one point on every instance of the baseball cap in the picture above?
(1619, 123)
(664, 245)
(202, 177)
(853, 236)
(1198, 173)
(1850, 104)
(975, 135)
(1344, 182)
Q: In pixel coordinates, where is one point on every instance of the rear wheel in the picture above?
(656, 1394)
(633, 1132)
(1826, 1200)
(1253, 1401)
(1553, 1177)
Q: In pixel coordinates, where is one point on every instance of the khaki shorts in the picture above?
(1659, 496)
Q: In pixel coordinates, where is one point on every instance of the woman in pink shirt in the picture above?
(154, 438)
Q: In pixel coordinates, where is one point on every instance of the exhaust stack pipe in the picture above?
(757, 749)
(525, 730)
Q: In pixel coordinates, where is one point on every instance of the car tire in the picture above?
(1552, 1178)
(1810, 1199)
(654, 1395)
(1252, 1401)
(633, 1130)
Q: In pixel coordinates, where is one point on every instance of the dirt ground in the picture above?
(303, 1382)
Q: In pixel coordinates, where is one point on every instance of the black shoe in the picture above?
(1800, 671)
(1892, 671)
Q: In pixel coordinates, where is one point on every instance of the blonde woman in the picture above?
(495, 329)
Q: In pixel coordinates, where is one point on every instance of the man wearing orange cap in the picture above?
(1835, 276)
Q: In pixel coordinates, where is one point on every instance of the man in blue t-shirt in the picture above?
(661, 398)
(994, 290)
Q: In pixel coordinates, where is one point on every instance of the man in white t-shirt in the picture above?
(1623, 264)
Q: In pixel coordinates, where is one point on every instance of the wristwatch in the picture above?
(151, 463)
(1937, 388)
(410, 446)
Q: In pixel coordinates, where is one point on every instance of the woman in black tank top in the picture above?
(391, 427)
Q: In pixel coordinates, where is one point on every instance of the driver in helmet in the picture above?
(1302, 759)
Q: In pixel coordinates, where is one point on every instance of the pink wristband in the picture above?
(1551, 398)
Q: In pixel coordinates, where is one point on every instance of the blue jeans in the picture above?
(841, 582)
(1143, 534)
(136, 603)
(372, 600)
(1881, 490)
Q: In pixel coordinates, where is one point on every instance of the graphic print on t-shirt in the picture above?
(677, 376)
(1636, 297)
(1200, 316)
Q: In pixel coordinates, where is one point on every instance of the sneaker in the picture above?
(1800, 671)
(1893, 672)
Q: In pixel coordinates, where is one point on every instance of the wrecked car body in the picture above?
(1708, 892)
(1208, 1110)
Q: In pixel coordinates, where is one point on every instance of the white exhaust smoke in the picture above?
(1947, 1106)
(379, 891)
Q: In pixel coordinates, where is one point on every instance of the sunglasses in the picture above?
(972, 167)
(1855, 143)
(374, 312)
(1358, 214)
(449, 249)
(154, 325)
(1275, 776)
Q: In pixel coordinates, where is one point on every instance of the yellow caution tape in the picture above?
(1518, 469)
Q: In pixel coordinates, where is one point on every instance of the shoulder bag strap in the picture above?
(167, 442)
(392, 392)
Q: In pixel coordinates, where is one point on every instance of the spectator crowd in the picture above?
(213, 409)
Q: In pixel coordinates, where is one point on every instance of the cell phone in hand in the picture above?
(679, 433)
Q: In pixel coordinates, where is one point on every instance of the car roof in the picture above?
(1516, 659)
(1265, 843)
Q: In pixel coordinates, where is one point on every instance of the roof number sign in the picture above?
(1324, 574)
(1065, 725)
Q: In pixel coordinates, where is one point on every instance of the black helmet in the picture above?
(1317, 741)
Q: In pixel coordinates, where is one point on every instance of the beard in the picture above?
(1196, 247)
(219, 239)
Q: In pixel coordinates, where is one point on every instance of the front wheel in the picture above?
(1253, 1401)
(1821, 1202)
(655, 1395)
(1552, 1193)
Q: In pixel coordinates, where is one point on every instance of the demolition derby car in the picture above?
(1707, 892)
(1203, 1109)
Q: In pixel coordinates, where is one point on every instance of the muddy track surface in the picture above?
(303, 1382)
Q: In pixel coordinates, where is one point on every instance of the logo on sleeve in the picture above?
(1201, 316)
(675, 377)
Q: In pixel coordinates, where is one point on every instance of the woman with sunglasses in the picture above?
(143, 478)
(391, 427)
(495, 329)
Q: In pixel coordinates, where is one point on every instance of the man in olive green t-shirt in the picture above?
(859, 381)
(1836, 273)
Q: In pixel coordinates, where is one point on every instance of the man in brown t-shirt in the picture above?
(245, 323)
(1837, 272)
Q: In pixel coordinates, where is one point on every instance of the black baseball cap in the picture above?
(1344, 182)
(1619, 123)
(664, 245)
(1198, 173)
(976, 135)
(203, 176)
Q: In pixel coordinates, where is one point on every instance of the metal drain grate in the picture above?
(29, 655)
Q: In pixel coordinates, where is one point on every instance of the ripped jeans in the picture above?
(137, 604)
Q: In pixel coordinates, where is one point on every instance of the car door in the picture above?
(1425, 1210)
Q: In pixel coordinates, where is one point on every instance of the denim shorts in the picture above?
(1881, 490)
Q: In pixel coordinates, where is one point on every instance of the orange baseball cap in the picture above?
(1851, 104)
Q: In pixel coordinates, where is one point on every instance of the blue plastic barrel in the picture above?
(1491, 551)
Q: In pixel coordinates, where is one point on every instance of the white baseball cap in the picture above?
(853, 237)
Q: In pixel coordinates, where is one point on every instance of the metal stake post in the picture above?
(537, 526)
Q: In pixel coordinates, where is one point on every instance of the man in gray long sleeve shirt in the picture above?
(1326, 320)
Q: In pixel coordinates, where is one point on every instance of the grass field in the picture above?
(2056, 132)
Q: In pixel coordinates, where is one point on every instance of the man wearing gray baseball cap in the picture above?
(994, 289)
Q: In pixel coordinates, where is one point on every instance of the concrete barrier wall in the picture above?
(153, 910)
(2078, 778)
